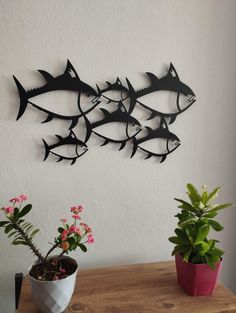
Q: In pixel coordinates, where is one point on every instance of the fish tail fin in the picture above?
(47, 150)
(23, 98)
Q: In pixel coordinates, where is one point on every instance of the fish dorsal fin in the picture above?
(118, 81)
(152, 77)
(46, 75)
(172, 72)
(105, 112)
(70, 70)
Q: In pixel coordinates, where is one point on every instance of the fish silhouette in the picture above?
(157, 134)
(129, 125)
(80, 147)
(170, 82)
(116, 86)
(68, 81)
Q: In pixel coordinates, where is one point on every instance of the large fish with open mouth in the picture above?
(172, 142)
(68, 81)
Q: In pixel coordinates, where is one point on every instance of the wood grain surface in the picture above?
(139, 288)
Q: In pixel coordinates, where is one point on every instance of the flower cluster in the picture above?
(9, 210)
(73, 235)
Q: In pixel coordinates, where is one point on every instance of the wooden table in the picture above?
(140, 288)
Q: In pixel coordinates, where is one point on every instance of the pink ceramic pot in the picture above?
(196, 279)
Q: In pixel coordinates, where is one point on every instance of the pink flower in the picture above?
(86, 227)
(23, 197)
(63, 220)
(72, 228)
(78, 231)
(64, 235)
(90, 239)
(15, 200)
(77, 209)
(76, 217)
(9, 210)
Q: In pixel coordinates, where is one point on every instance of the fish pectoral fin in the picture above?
(163, 158)
(173, 118)
(105, 142)
(153, 114)
(48, 119)
(148, 156)
(122, 145)
(60, 159)
(73, 161)
(46, 75)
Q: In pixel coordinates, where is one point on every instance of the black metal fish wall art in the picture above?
(117, 103)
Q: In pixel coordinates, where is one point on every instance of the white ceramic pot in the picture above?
(53, 296)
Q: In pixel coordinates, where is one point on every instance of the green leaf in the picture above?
(215, 252)
(34, 233)
(82, 247)
(210, 261)
(203, 247)
(187, 221)
(193, 193)
(19, 242)
(213, 194)
(13, 233)
(176, 240)
(221, 206)
(60, 230)
(178, 249)
(25, 210)
(210, 214)
(202, 233)
(185, 205)
(8, 228)
(187, 254)
(182, 234)
(16, 213)
(215, 225)
(3, 223)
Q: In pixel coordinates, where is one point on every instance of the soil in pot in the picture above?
(53, 269)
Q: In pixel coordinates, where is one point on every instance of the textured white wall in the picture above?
(129, 202)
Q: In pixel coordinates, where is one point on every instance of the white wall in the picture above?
(129, 203)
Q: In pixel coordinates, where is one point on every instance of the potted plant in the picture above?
(198, 259)
(52, 278)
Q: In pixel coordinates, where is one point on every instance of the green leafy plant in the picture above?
(70, 237)
(195, 221)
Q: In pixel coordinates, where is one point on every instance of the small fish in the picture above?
(129, 126)
(68, 81)
(172, 142)
(170, 82)
(116, 86)
(80, 147)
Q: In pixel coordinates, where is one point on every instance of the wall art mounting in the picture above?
(117, 103)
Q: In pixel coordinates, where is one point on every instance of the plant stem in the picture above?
(50, 251)
(29, 242)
